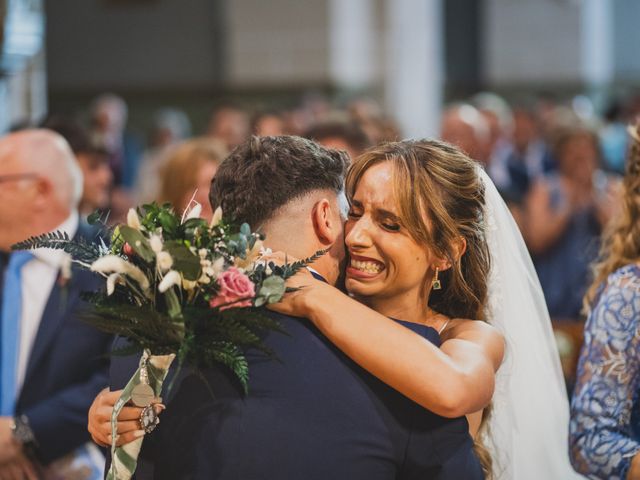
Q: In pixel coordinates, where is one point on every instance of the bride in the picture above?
(431, 243)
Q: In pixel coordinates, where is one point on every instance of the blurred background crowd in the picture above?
(152, 95)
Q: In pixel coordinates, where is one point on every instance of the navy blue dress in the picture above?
(310, 414)
(465, 463)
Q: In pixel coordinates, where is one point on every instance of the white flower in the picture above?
(155, 241)
(115, 264)
(251, 256)
(193, 212)
(132, 219)
(202, 253)
(65, 267)
(164, 261)
(170, 279)
(111, 282)
(218, 266)
(217, 217)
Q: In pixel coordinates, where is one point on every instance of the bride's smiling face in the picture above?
(385, 261)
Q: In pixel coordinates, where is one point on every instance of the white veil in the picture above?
(528, 427)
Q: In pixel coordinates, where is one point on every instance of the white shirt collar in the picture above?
(312, 270)
(55, 258)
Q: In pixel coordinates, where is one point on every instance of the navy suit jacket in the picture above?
(67, 367)
(310, 414)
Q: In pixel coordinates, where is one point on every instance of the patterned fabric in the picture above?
(605, 418)
(124, 459)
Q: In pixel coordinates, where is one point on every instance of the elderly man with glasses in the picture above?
(51, 364)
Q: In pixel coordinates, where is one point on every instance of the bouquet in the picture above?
(175, 287)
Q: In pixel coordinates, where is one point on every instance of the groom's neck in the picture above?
(297, 241)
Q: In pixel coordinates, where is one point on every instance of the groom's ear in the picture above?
(326, 222)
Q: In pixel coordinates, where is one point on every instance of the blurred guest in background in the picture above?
(52, 364)
(340, 134)
(108, 122)
(93, 162)
(229, 123)
(170, 126)
(613, 136)
(188, 171)
(463, 126)
(267, 124)
(565, 213)
(605, 421)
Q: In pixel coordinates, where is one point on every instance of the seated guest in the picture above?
(93, 161)
(565, 213)
(51, 364)
(463, 126)
(267, 124)
(170, 126)
(340, 134)
(605, 421)
(229, 123)
(187, 173)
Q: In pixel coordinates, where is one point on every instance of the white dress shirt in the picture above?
(38, 278)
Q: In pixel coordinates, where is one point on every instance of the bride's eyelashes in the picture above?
(352, 214)
(391, 227)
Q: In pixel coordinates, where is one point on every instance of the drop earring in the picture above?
(435, 283)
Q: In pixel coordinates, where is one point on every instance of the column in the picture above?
(414, 65)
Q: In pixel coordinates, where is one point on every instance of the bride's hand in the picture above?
(293, 303)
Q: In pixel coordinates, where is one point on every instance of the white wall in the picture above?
(535, 41)
(277, 42)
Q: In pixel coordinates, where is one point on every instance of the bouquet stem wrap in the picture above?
(124, 459)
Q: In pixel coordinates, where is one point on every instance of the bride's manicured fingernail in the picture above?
(138, 433)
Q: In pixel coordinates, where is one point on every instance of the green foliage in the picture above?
(179, 320)
(79, 249)
(271, 291)
(138, 242)
(184, 260)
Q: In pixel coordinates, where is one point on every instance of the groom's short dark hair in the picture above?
(265, 173)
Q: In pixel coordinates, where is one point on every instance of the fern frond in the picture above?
(290, 269)
(80, 249)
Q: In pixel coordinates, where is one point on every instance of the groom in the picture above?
(311, 413)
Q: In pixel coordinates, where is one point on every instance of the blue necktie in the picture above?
(10, 330)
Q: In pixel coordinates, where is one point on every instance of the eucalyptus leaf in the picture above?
(138, 242)
(272, 290)
(184, 261)
(245, 229)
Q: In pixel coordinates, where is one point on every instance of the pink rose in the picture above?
(127, 249)
(236, 290)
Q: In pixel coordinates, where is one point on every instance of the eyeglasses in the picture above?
(12, 177)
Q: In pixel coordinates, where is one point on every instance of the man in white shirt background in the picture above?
(51, 364)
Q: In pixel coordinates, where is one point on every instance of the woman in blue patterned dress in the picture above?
(605, 412)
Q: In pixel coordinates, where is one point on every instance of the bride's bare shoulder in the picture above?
(478, 332)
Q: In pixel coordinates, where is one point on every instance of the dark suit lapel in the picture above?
(55, 311)
(52, 317)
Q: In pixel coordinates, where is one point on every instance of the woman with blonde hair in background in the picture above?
(187, 172)
(605, 421)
